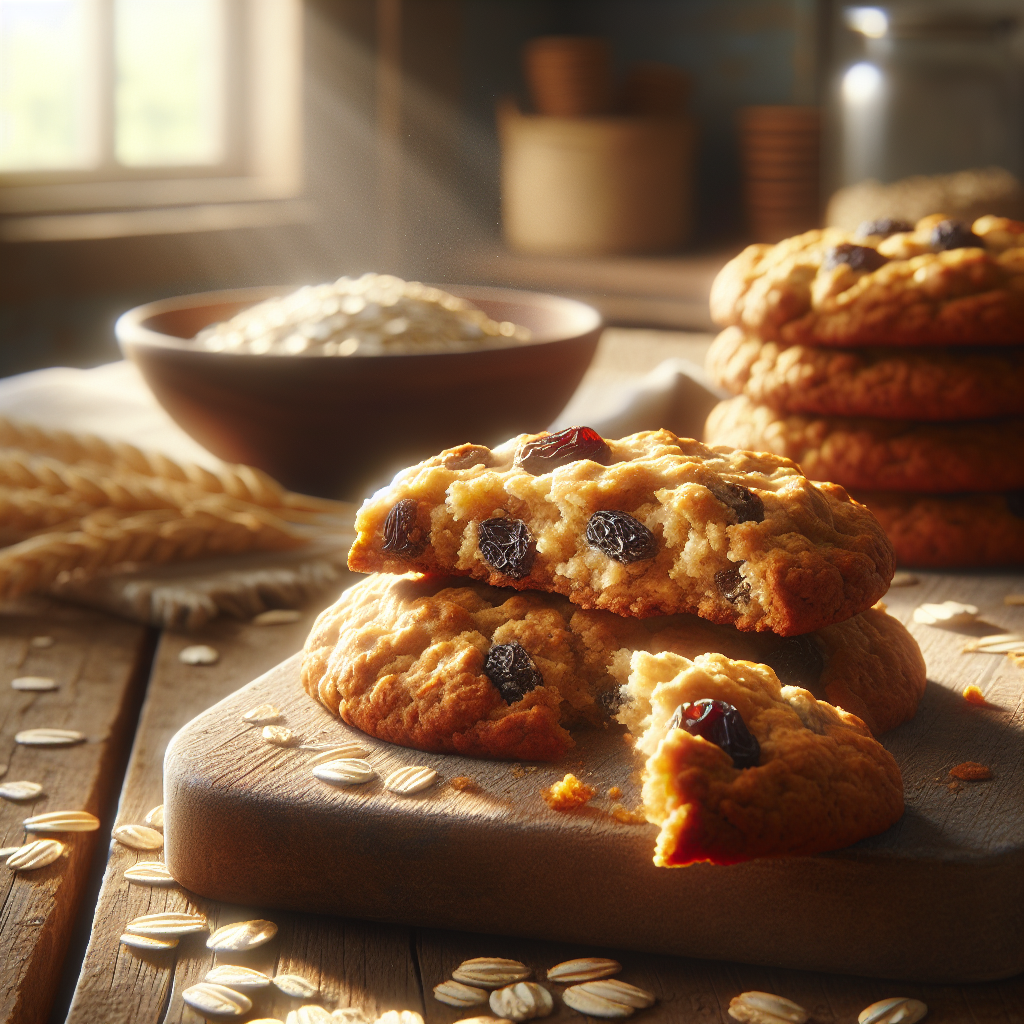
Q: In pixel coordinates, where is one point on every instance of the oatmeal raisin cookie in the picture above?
(652, 524)
(945, 531)
(896, 455)
(891, 383)
(813, 779)
(409, 659)
(942, 283)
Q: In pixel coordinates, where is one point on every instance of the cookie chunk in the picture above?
(891, 383)
(411, 659)
(649, 525)
(896, 455)
(944, 531)
(943, 283)
(741, 767)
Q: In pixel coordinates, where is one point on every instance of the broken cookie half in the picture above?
(739, 766)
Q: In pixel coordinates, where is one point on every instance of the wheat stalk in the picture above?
(244, 483)
(108, 537)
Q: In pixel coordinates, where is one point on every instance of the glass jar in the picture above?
(927, 89)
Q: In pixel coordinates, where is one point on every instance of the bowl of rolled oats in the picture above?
(331, 387)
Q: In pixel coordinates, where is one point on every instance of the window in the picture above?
(118, 104)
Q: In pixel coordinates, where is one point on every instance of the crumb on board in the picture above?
(568, 794)
(518, 771)
(463, 783)
(626, 816)
(971, 771)
(1016, 657)
(614, 793)
(973, 695)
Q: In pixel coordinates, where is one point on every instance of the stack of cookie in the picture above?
(514, 593)
(890, 361)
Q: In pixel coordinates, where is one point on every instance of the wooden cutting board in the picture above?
(938, 897)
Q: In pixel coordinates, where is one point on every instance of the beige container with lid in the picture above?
(595, 186)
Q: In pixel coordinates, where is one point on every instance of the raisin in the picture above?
(749, 508)
(857, 257)
(401, 534)
(507, 546)
(621, 537)
(721, 724)
(467, 456)
(569, 445)
(1015, 503)
(511, 669)
(954, 234)
(884, 226)
(733, 586)
(797, 661)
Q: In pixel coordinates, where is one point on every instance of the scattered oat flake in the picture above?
(276, 617)
(34, 684)
(410, 779)
(893, 1011)
(199, 654)
(147, 941)
(971, 771)
(20, 790)
(219, 1000)
(40, 643)
(1013, 599)
(241, 935)
(138, 837)
(568, 794)
(49, 737)
(149, 872)
(997, 643)
(62, 821)
(37, 854)
(155, 817)
(279, 736)
(949, 613)
(463, 783)
(973, 695)
(261, 714)
(295, 986)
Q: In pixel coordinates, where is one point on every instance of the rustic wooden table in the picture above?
(123, 686)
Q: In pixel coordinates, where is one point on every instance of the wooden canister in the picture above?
(596, 185)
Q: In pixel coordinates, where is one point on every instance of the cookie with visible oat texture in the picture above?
(892, 383)
(941, 283)
(651, 524)
(741, 767)
(449, 664)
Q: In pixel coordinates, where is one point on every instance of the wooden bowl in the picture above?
(336, 426)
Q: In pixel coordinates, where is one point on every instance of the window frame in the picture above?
(263, 124)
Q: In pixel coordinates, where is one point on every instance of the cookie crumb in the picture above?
(627, 817)
(518, 772)
(973, 695)
(1016, 657)
(971, 771)
(463, 783)
(568, 794)
(614, 793)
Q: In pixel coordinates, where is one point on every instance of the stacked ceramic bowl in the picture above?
(779, 147)
(891, 361)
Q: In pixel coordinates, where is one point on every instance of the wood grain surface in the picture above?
(95, 661)
(380, 967)
(447, 857)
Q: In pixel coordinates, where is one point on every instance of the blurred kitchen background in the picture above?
(615, 150)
